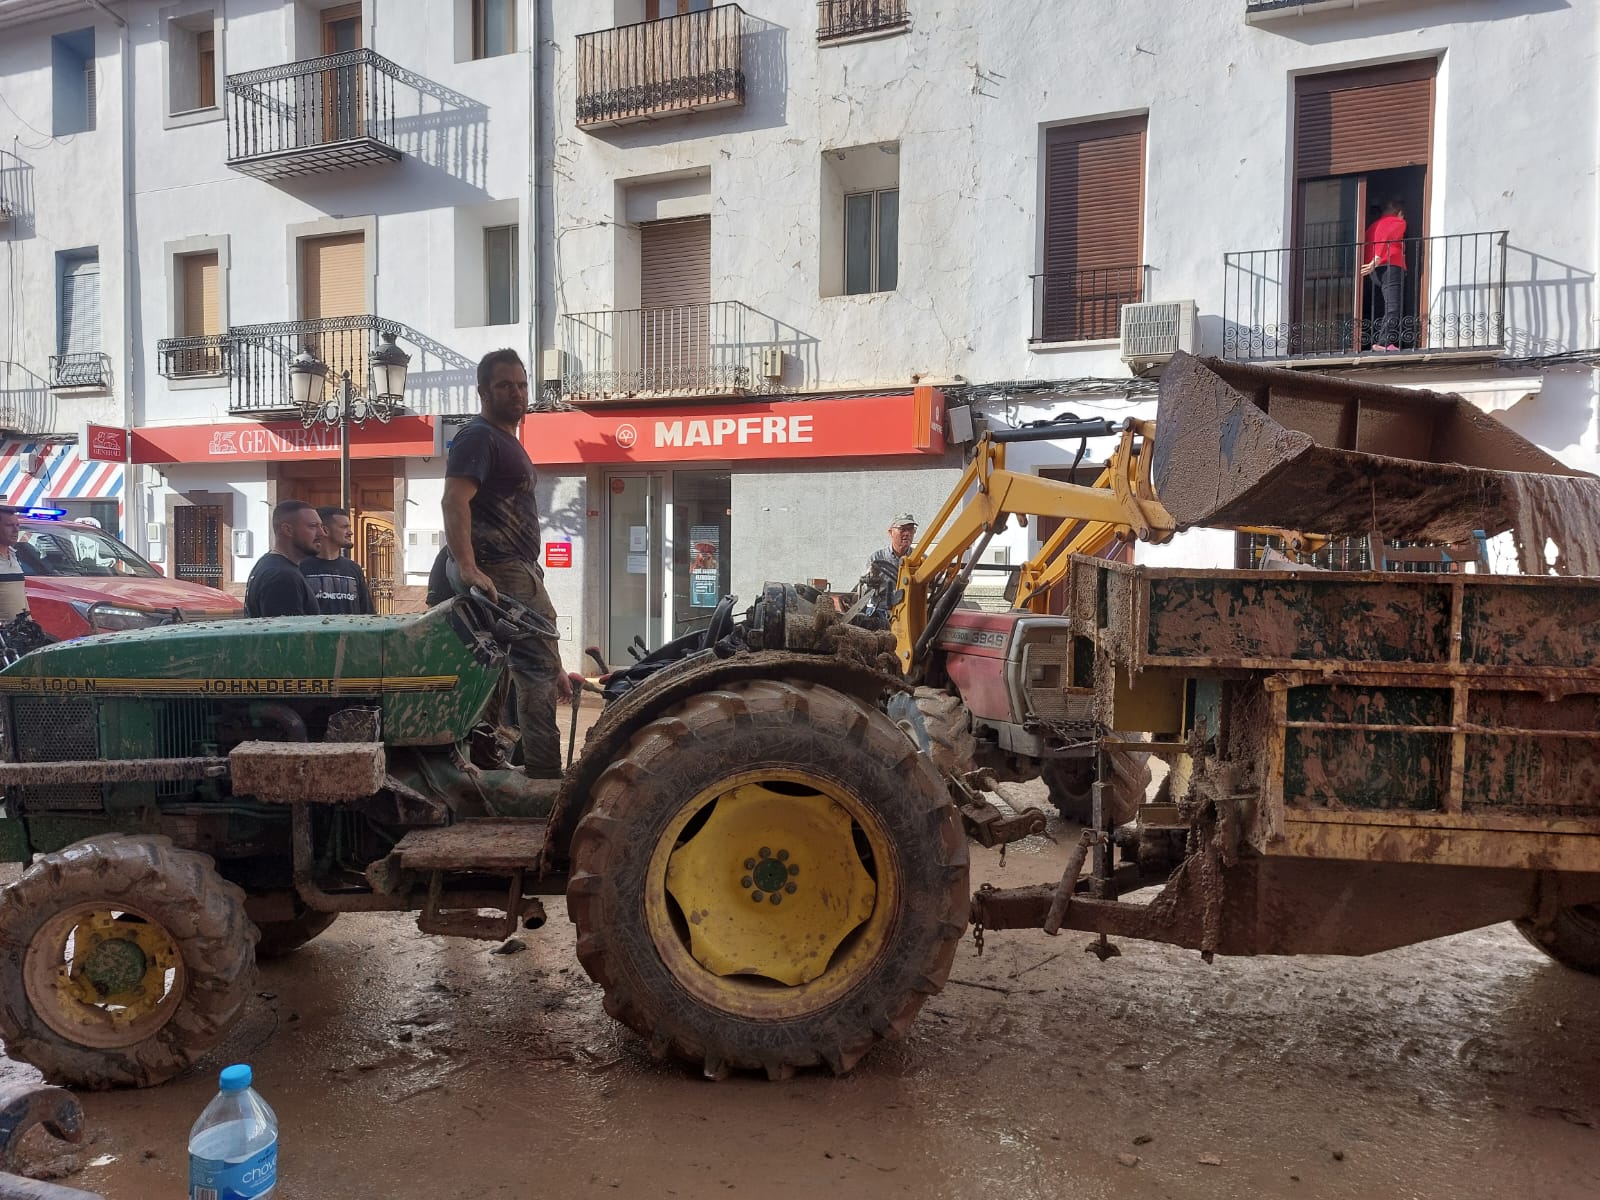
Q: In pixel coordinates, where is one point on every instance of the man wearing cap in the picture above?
(13, 591)
(883, 568)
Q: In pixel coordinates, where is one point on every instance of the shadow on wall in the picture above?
(16, 197)
(764, 53)
(1549, 305)
(440, 380)
(27, 405)
(1334, 25)
(1558, 415)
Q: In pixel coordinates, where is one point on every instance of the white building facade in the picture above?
(753, 252)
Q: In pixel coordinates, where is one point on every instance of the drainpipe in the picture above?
(133, 498)
(535, 277)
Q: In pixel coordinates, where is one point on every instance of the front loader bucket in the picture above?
(1240, 446)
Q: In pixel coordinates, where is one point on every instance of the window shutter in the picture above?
(80, 306)
(675, 262)
(89, 93)
(1348, 122)
(202, 297)
(334, 276)
(1094, 204)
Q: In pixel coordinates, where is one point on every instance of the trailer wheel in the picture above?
(1573, 938)
(122, 961)
(279, 938)
(771, 877)
(949, 725)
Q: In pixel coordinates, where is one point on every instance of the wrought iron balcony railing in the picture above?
(1313, 302)
(87, 369)
(842, 18)
(256, 359)
(322, 114)
(687, 349)
(681, 64)
(1084, 305)
(192, 357)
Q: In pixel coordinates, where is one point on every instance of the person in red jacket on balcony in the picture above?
(1383, 256)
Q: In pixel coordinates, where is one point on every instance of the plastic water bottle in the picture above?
(233, 1147)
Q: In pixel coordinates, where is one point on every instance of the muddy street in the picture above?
(404, 1065)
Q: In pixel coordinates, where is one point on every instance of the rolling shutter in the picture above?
(1370, 120)
(202, 298)
(675, 295)
(333, 278)
(675, 262)
(80, 305)
(1093, 207)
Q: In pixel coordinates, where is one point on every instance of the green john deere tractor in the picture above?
(763, 870)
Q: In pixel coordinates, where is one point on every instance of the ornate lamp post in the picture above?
(308, 381)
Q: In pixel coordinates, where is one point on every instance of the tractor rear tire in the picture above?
(1573, 938)
(122, 961)
(279, 938)
(953, 746)
(720, 810)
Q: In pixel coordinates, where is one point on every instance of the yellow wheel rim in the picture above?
(770, 894)
(103, 977)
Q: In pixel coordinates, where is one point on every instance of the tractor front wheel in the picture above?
(122, 961)
(770, 877)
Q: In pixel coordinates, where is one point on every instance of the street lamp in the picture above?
(308, 381)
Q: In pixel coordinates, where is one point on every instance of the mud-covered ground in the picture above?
(407, 1066)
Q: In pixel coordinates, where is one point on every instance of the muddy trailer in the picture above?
(1357, 761)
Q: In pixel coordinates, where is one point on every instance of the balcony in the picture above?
(652, 69)
(1311, 303)
(1084, 305)
(192, 357)
(846, 18)
(87, 369)
(1267, 10)
(256, 360)
(685, 350)
(305, 118)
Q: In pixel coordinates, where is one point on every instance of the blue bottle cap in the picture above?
(236, 1078)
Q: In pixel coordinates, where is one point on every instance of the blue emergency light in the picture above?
(45, 514)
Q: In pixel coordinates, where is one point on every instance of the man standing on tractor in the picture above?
(276, 588)
(340, 584)
(491, 526)
(883, 568)
(13, 591)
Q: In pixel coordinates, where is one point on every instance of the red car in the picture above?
(81, 580)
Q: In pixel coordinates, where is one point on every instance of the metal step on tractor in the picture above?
(766, 865)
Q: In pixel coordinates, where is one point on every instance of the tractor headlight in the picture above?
(104, 618)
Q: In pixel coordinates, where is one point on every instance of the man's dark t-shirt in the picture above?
(339, 585)
(276, 588)
(505, 509)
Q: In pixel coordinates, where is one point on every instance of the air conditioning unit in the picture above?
(772, 363)
(1152, 333)
(552, 364)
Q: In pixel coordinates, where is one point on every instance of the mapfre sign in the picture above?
(862, 426)
(403, 437)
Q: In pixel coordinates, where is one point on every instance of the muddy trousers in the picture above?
(534, 666)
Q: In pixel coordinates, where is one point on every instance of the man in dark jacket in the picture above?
(276, 587)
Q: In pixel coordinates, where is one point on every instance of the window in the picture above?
(78, 329)
(1093, 207)
(72, 82)
(191, 63)
(494, 28)
(859, 229)
(871, 241)
(500, 275)
(199, 278)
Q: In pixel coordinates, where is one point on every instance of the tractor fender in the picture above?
(698, 673)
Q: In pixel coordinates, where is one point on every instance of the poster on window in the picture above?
(705, 551)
